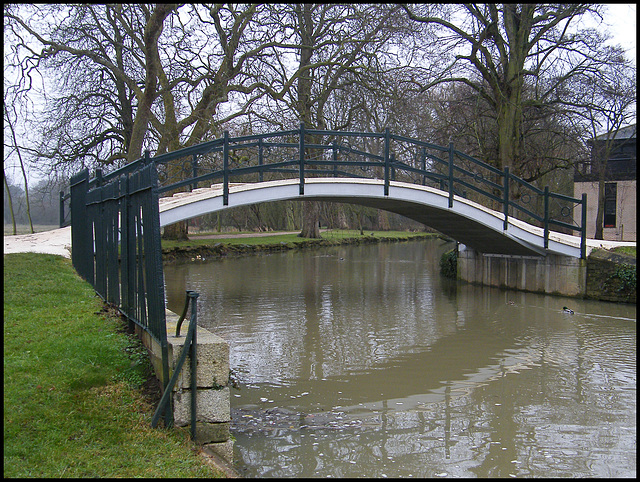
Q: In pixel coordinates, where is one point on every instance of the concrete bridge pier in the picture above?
(550, 274)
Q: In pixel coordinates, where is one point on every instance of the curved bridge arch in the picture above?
(466, 221)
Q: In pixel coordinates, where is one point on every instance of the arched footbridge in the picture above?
(467, 221)
(487, 209)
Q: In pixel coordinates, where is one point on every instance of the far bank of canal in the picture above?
(204, 246)
(364, 361)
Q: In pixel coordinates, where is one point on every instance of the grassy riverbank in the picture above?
(203, 246)
(74, 404)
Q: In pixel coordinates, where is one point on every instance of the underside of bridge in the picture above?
(464, 230)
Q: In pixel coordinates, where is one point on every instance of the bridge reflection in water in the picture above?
(374, 366)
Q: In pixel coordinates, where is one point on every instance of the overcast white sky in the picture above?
(620, 21)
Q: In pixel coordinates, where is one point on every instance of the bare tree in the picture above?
(13, 147)
(9, 201)
(131, 77)
(496, 48)
(332, 47)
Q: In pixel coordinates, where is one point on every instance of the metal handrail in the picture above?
(184, 312)
(190, 346)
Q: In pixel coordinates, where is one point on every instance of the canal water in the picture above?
(363, 361)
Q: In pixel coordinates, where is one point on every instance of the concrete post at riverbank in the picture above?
(213, 413)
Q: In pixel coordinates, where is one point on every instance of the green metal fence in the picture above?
(115, 228)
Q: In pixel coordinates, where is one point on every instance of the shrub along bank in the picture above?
(611, 275)
(74, 398)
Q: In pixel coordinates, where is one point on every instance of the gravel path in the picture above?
(56, 241)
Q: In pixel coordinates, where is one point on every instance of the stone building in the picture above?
(620, 184)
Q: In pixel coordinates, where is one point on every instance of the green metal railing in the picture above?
(65, 219)
(306, 153)
(115, 233)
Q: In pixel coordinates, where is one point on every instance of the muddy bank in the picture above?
(220, 250)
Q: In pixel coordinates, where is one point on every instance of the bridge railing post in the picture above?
(335, 159)
(260, 158)
(194, 360)
(583, 232)
(450, 174)
(194, 170)
(301, 155)
(392, 160)
(61, 208)
(546, 217)
(128, 253)
(424, 165)
(225, 169)
(505, 202)
(387, 147)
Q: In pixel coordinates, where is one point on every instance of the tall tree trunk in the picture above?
(13, 217)
(153, 72)
(177, 232)
(24, 173)
(311, 210)
(509, 135)
(310, 217)
(152, 32)
(601, 155)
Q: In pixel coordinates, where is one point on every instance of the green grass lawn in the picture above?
(287, 238)
(73, 403)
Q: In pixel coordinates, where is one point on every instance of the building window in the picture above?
(610, 204)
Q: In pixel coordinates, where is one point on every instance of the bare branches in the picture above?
(507, 44)
(118, 79)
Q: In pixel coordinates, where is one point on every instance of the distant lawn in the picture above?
(287, 238)
(73, 404)
(275, 239)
